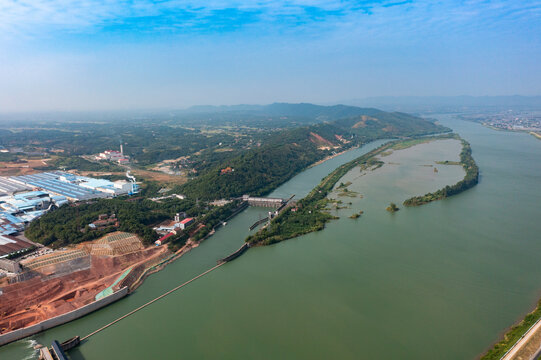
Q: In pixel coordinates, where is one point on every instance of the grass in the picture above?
(409, 143)
(348, 193)
(342, 185)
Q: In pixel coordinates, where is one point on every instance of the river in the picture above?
(440, 281)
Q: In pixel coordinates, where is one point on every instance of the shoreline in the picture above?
(515, 339)
(535, 134)
(62, 319)
(319, 162)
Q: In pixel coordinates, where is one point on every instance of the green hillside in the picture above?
(258, 171)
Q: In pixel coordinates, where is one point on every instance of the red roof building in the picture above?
(185, 223)
(227, 170)
(163, 239)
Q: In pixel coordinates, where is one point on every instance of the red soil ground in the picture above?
(30, 302)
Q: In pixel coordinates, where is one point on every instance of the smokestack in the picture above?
(121, 149)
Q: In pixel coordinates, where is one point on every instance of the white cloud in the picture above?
(20, 18)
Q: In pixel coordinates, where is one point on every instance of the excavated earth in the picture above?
(32, 301)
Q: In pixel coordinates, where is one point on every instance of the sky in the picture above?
(138, 54)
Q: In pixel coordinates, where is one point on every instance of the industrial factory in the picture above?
(113, 155)
(27, 197)
(73, 187)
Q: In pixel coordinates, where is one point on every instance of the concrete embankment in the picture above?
(62, 319)
(236, 254)
(257, 223)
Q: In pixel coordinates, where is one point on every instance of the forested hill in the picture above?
(393, 124)
(279, 114)
(259, 170)
(288, 109)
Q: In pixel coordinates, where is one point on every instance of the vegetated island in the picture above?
(392, 208)
(310, 214)
(470, 179)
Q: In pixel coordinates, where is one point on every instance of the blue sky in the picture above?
(107, 54)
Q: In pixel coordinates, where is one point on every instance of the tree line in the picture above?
(470, 180)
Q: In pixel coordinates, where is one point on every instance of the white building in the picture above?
(113, 155)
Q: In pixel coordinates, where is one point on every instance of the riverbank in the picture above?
(332, 156)
(533, 133)
(192, 243)
(522, 339)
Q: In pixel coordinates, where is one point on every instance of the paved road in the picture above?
(527, 337)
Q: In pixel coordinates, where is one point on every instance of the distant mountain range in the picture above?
(295, 113)
(287, 109)
(286, 114)
(449, 103)
(367, 106)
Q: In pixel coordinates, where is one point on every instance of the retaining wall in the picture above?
(10, 265)
(62, 319)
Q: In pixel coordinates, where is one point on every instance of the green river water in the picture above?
(440, 281)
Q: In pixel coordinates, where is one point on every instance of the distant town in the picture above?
(509, 120)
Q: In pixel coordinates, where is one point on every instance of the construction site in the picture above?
(62, 281)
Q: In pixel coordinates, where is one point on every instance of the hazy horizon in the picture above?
(103, 56)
